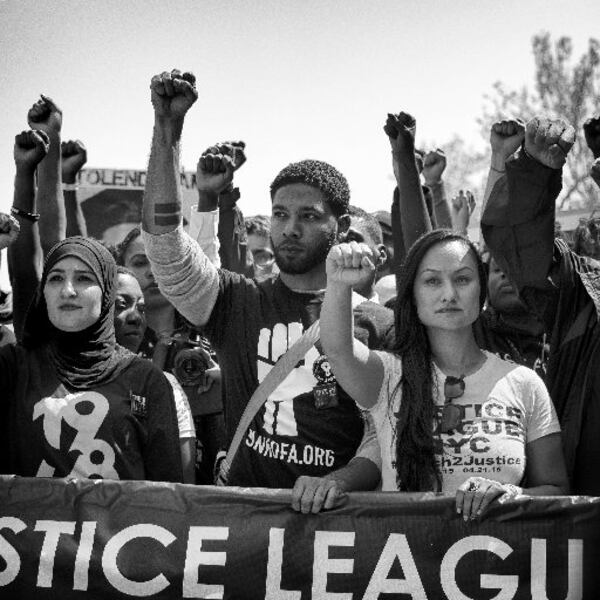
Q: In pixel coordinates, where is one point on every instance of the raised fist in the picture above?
(45, 115)
(591, 130)
(74, 156)
(549, 141)
(235, 150)
(30, 148)
(462, 207)
(351, 264)
(173, 94)
(595, 171)
(214, 172)
(434, 164)
(401, 130)
(9, 230)
(505, 137)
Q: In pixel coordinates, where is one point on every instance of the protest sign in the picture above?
(111, 200)
(109, 539)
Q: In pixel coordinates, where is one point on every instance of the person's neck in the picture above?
(161, 320)
(455, 352)
(312, 281)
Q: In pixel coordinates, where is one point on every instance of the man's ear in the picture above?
(343, 223)
(382, 256)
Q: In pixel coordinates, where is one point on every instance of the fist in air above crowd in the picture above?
(172, 94)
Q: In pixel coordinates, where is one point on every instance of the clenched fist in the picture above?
(173, 94)
(30, 148)
(462, 207)
(434, 164)
(505, 138)
(45, 115)
(74, 156)
(351, 264)
(549, 141)
(401, 130)
(217, 165)
(9, 230)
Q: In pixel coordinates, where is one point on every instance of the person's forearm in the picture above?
(207, 201)
(360, 474)
(232, 238)
(497, 170)
(547, 490)
(413, 211)
(76, 224)
(440, 205)
(185, 275)
(337, 323)
(25, 253)
(162, 194)
(397, 237)
(52, 224)
(203, 228)
(518, 220)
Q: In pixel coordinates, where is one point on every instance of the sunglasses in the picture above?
(452, 415)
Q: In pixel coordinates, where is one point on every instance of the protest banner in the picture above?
(110, 539)
(111, 200)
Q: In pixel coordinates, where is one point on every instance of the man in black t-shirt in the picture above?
(308, 433)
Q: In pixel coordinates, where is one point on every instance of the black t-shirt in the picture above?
(251, 326)
(123, 429)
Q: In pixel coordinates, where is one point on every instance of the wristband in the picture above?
(70, 187)
(497, 170)
(17, 212)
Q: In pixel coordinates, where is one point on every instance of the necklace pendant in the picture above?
(325, 392)
(452, 417)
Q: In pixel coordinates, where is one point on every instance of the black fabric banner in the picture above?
(109, 539)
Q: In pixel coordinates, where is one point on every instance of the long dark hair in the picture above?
(416, 468)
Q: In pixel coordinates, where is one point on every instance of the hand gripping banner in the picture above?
(108, 539)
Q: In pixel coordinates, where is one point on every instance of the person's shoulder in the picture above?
(499, 366)
(139, 367)
(518, 375)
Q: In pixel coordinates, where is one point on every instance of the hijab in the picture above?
(91, 357)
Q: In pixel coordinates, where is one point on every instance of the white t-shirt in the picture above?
(505, 406)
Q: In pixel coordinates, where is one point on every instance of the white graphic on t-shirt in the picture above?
(279, 408)
(489, 440)
(85, 413)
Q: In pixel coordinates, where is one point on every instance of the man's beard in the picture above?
(310, 258)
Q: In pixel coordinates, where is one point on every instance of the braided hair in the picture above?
(416, 466)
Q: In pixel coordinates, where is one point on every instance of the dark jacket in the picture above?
(563, 288)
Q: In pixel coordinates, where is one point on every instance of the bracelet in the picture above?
(497, 170)
(70, 187)
(17, 212)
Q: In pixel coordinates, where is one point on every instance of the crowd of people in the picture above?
(323, 348)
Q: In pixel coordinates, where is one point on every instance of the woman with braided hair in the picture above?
(449, 416)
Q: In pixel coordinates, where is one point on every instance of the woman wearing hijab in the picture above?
(449, 416)
(73, 402)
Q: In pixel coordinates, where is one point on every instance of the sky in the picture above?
(293, 79)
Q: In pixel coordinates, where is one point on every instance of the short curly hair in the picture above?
(258, 225)
(320, 175)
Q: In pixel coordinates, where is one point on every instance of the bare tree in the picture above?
(565, 88)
